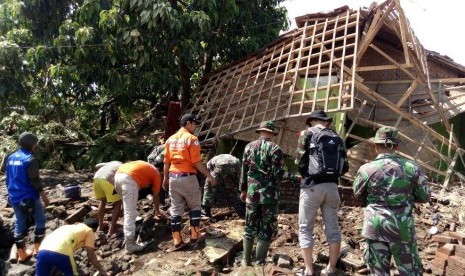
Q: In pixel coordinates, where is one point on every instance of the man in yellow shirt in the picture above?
(57, 250)
(104, 190)
(129, 179)
(182, 160)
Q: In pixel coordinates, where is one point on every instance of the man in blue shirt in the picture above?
(24, 193)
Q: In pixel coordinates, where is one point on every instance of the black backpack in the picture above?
(325, 158)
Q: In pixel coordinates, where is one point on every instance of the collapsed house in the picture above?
(365, 67)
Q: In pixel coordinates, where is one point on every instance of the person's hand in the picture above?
(243, 196)
(166, 184)
(211, 180)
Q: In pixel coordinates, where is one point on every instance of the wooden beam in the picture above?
(373, 31)
(366, 90)
(407, 94)
(450, 170)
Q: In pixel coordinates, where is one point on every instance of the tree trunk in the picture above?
(186, 92)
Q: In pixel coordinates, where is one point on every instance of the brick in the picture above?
(437, 271)
(454, 260)
(441, 264)
(441, 256)
(448, 249)
(454, 271)
(460, 248)
(459, 236)
(444, 239)
(460, 254)
(456, 268)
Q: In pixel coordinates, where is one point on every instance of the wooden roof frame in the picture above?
(321, 65)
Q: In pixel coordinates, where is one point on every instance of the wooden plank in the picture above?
(297, 65)
(422, 164)
(406, 138)
(355, 120)
(251, 89)
(328, 90)
(403, 31)
(307, 68)
(319, 67)
(407, 93)
(221, 103)
(380, 67)
(373, 31)
(341, 72)
(282, 83)
(235, 91)
(450, 170)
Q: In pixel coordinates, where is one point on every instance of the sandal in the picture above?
(176, 247)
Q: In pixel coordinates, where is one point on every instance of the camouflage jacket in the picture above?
(262, 169)
(223, 164)
(156, 156)
(391, 186)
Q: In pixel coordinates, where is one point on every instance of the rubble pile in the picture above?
(450, 254)
(438, 226)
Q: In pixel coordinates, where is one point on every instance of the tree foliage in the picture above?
(64, 59)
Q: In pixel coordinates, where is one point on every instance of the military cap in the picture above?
(267, 126)
(386, 135)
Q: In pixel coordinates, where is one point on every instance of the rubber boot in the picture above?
(195, 234)
(261, 251)
(177, 238)
(247, 253)
(206, 211)
(131, 246)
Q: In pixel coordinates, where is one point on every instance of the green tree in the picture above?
(66, 55)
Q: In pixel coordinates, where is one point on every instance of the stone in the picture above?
(77, 215)
(217, 250)
(283, 260)
(59, 212)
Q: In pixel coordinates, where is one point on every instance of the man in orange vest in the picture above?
(182, 160)
(129, 179)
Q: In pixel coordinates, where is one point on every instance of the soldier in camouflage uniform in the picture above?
(156, 156)
(226, 169)
(156, 159)
(391, 185)
(262, 169)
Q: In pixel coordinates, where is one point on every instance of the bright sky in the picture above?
(439, 25)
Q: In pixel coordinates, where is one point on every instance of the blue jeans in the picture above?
(21, 219)
(49, 260)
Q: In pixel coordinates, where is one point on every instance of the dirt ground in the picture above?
(443, 212)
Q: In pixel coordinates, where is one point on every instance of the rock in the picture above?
(59, 212)
(77, 215)
(283, 260)
(18, 269)
(218, 250)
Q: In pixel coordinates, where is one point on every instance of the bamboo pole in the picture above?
(449, 171)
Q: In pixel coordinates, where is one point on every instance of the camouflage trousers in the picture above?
(378, 257)
(226, 186)
(261, 220)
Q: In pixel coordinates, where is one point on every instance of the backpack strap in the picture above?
(311, 131)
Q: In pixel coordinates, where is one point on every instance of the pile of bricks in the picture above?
(450, 255)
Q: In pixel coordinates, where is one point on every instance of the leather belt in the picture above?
(175, 175)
